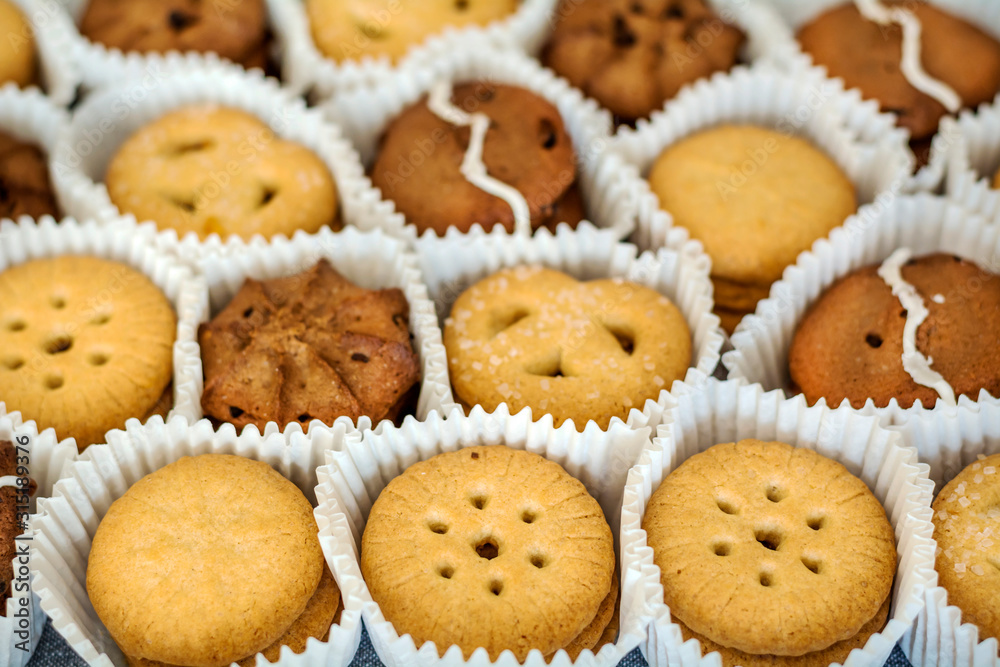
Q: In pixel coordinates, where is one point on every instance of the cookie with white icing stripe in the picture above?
(849, 345)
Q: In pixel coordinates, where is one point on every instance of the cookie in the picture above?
(234, 29)
(356, 29)
(488, 547)
(308, 346)
(849, 344)
(755, 198)
(527, 147)
(213, 170)
(538, 338)
(770, 549)
(634, 55)
(870, 60)
(966, 513)
(592, 635)
(18, 53)
(25, 187)
(835, 653)
(247, 567)
(85, 344)
(12, 518)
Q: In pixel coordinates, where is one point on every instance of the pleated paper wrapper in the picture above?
(353, 478)
(456, 262)
(692, 420)
(30, 116)
(974, 160)
(69, 519)
(923, 223)
(22, 624)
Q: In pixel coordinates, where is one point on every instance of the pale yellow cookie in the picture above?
(17, 48)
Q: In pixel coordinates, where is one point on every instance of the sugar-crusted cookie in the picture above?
(308, 346)
(526, 147)
(868, 56)
(18, 53)
(755, 198)
(208, 560)
(488, 547)
(85, 344)
(25, 187)
(538, 338)
(355, 29)
(849, 344)
(966, 514)
(235, 29)
(215, 170)
(634, 55)
(770, 549)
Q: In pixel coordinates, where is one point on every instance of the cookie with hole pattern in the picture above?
(246, 569)
(966, 514)
(634, 55)
(849, 344)
(356, 29)
(527, 147)
(25, 186)
(85, 344)
(488, 547)
(234, 29)
(535, 337)
(308, 346)
(835, 653)
(868, 56)
(770, 549)
(207, 169)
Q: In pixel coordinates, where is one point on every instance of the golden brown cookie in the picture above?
(538, 338)
(755, 198)
(867, 56)
(215, 170)
(966, 514)
(18, 53)
(634, 55)
(25, 186)
(308, 346)
(593, 633)
(835, 653)
(85, 344)
(769, 548)
(246, 568)
(849, 344)
(488, 547)
(526, 147)
(235, 29)
(354, 29)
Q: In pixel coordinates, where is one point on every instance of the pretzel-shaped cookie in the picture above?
(535, 337)
(213, 170)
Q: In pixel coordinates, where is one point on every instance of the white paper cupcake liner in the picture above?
(355, 476)
(21, 627)
(922, 222)
(974, 159)
(29, 240)
(67, 522)
(52, 31)
(940, 638)
(692, 420)
(786, 53)
(456, 262)
(108, 117)
(366, 112)
(307, 69)
(30, 116)
(369, 259)
(101, 66)
(802, 104)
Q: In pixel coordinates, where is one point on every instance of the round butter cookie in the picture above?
(538, 338)
(354, 29)
(849, 344)
(85, 344)
(770, 549)
(968, 560)
(18, 54)
(214, 170)
(208, 560)
(488, 547)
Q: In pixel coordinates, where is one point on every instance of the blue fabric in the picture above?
(53, 652)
